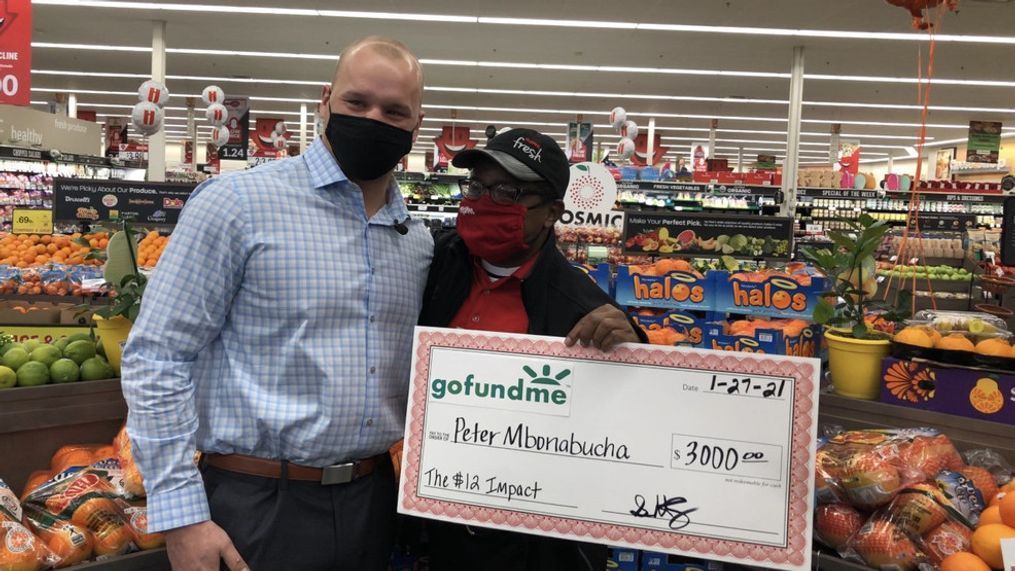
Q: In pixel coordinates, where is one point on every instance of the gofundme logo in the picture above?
(542, 389)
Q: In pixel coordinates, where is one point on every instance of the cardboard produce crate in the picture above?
(36, 421)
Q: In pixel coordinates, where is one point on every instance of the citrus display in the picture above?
(25, 251)
(150, 249)
(990, 515)
(31, 345)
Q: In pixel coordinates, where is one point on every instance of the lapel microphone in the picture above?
(400, 227)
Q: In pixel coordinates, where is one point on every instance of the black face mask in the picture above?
(366, 149)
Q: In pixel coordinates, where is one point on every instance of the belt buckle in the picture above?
(338, 474)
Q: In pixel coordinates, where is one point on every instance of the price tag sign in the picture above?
(519, 432)
(24, 221)
(1008, 553)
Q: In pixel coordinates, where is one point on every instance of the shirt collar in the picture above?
(324, 169)
(325, 172)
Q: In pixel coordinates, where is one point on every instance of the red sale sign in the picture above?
(15, 52)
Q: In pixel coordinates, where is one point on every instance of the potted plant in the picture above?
(127, 285)
(855, 349)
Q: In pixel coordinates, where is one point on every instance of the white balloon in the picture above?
(625, 148)
(629, 130)
(217, 114)
(220, 135)
(212, 94)
(146, 118)
(280, 128)
(617, 117)
(278, 141)
(153, 92)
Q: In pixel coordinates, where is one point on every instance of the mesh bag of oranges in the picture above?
(867, 468)
(83, 502)
(924, 524)
(20, 549)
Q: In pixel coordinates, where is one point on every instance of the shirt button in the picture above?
(373, 318)
(370, 422)
(475, 318)
(373, 370)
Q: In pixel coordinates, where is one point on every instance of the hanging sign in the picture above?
(579, 142)
(707, 234)
(16, 52)
(590, 197)
(25, 221)
(94, 200)
(640, 157)
(521, 433)
(238, 123)
(448, 144)
(984, 144)
(116, 135)
(699, 157)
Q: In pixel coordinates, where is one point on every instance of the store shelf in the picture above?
(154, 560)
(76, 300)
(966, 433)
(823, 561)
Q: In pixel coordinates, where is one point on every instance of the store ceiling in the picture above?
(678, 82)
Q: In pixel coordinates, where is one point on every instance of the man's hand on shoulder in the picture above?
(202, 547)
(604, 328)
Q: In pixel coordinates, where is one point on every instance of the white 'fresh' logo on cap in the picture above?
(530, 148)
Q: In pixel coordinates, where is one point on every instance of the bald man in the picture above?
(275, 338)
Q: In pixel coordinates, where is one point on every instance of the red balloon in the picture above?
(916, 8)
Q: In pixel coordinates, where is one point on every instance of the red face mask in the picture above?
(492, 231)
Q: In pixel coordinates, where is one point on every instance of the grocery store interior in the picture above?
(825, 180)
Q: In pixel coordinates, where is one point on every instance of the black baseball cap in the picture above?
(525, 154)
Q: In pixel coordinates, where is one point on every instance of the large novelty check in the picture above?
(703, 453)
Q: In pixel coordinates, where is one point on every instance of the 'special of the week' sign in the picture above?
(701, 453)
(87, 200)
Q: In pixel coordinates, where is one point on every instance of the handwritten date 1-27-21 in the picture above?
(747, 387)
(665, 508)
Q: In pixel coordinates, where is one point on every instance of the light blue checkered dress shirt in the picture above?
(278, 324)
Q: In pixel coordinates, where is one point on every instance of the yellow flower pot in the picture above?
(855, 364)
(113, 335)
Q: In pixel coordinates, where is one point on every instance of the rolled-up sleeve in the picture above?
(185, 306)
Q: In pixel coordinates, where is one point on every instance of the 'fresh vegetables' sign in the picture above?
(705, 234)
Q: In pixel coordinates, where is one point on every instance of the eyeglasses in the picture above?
(502, 193)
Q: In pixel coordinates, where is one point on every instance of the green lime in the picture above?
(8, 378)
(79, 337)
(64, 371)
(8, 347)
(32, 374)
(96, 369)
(15, 358)
(46, 354)
(32, 345)
(80, 351)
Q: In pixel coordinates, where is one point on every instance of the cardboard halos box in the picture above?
(982, 394)
(30, 313)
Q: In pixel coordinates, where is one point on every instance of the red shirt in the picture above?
(495, 305)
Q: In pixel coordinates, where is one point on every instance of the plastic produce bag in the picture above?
(86, 497)
(20, 549)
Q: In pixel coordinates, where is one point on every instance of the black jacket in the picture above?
(556, 294)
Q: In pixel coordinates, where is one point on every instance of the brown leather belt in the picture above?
(327, 476)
